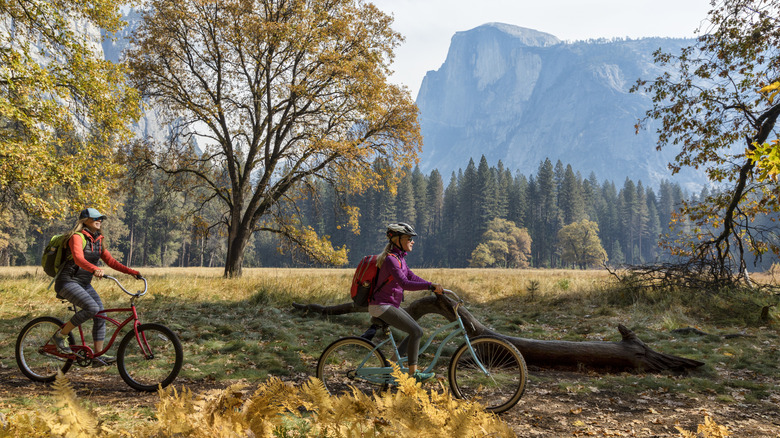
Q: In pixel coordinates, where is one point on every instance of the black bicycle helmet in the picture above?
(400, 229)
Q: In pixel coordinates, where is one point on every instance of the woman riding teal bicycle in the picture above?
(395, 277)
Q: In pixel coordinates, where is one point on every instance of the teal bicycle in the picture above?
(486, 369)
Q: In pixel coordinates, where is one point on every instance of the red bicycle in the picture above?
(148, 357)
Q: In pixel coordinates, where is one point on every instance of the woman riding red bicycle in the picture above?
(73, 282)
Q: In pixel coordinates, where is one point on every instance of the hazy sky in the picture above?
(428, 25)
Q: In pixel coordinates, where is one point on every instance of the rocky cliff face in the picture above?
(520, 96)
(151, 125)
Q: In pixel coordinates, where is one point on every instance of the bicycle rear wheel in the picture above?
(338, 365)
(155, 364)
(35, 354)
(502, 387)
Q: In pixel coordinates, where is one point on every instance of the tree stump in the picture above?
(630, 353)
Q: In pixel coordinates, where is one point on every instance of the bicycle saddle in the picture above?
(376, 324)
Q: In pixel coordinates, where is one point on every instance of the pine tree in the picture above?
(504, 186)
(570, 199)
(609, 222)
(549, 218)
(419, 188)
(627, 202)
(653, 228)
(468, 210)
(487, 197)
(516, 198)
(451, 224)
(640, 220)
(532, 219)
(434, 204)
(591, 195)
(405, 201)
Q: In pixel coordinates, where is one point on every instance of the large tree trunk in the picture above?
(234, 260)
(629, 353)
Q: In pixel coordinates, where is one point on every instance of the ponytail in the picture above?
(381, 259)
(79, 227)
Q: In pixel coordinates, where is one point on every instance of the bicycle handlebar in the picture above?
(137, 294)
(449, 292)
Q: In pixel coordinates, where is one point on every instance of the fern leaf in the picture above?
(74, 420)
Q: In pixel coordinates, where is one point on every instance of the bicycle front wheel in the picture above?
(151, 359)
(353, 362)
(35, 354)
(504, 384)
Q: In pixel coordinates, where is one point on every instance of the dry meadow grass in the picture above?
(245, 330)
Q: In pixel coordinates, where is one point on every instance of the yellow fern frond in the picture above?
(74, 420)
(173, 409)
(222, 411)
(25, 425)
(225, 403)
(263, 409)
(711, 429)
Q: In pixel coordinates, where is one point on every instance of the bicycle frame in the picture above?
(381, 374)
(118, 326)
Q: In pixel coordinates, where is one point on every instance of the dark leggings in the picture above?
(87, 300)
(400, 319)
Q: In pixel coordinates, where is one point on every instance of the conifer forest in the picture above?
(159, 226)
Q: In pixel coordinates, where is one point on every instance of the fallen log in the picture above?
(630, 353)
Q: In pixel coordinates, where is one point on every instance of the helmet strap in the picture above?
(397, 245)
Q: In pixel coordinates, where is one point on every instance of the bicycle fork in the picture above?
(140, 337)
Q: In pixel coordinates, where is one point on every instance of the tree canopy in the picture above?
(64, 110)
(503, 245)
(268, 96)
(580, 244)
(711, 107)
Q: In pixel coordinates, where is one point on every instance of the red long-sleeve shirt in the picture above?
(76, 248)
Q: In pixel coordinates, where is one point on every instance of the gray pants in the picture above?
(400, 319)
(87, 300)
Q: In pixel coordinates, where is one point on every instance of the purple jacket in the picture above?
(402, 279)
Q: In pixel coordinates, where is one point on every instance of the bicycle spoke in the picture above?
(350, 363)
(33, 360)
(155, 361)
(504, 383)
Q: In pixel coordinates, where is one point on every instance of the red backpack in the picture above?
(364, 281)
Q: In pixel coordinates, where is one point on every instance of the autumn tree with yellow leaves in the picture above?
(766, 156)
(503, 245)
(715, 104)
(580, 244)
(268, 96)
(64, 110)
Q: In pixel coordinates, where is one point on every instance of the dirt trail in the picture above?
(545, 410)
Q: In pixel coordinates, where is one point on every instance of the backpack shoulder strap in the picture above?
(83, 244)
(83, 240)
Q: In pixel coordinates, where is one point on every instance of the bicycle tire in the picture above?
(338, 362)
(35, 364)
(499, 391)
(144, 373)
